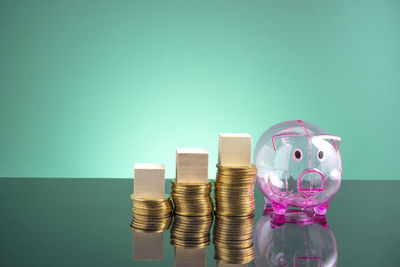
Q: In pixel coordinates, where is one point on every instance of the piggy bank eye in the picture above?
(320, 155)
(297, 154)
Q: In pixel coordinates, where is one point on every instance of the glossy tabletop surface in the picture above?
(85, 222)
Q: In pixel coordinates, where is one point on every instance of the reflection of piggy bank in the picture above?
(298, 165)
(300, 241)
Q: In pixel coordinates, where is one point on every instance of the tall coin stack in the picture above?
(234, 200)
(234, 190)
(191, 194)
(152, 210)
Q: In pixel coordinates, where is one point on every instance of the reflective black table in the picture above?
(85, 222)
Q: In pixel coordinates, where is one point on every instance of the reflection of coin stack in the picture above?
(234, 200)
(233, 239)
(190, 232)
(152, 211)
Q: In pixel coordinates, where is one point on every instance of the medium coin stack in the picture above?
(192, 199)
(151, 215)
(234, 190)
(233, 239)
(193, 214)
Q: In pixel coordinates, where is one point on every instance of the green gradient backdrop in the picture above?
(90, 87)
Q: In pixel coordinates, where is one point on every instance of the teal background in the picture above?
(87, 88)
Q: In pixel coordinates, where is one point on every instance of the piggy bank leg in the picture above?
(268, 204)
(279, 208)
(321, 209)
(267, 207)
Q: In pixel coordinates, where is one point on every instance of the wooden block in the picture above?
(148, 246)
(193, 257)
(149, 180)
(191, 165)
(234, 149)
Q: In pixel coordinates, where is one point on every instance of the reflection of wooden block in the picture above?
(149, 180)
(193, 257)
(234, 149)
(221, 264)
(191, 165)
(148, 246)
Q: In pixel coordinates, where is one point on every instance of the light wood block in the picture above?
(193, 257)
(148, 246)
(149, 180)
(234, 149)
(191, 165)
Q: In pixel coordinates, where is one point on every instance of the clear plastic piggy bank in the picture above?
(299, 166)
(300, 241)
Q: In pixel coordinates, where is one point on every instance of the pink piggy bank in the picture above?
(298, 166)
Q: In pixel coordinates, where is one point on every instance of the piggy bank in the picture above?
(301, 241)
(298, 166)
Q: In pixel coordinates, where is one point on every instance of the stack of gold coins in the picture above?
(193, 214)
(234, 190)
(234, 202)
(151, 215)
(233, 239)
(192, 199)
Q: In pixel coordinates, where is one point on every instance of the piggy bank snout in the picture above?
(311, 182)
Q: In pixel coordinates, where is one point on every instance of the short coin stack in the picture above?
(193, 214)
(151, 215)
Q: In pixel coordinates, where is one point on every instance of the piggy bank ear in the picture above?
(285, 138)
(335, 140)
